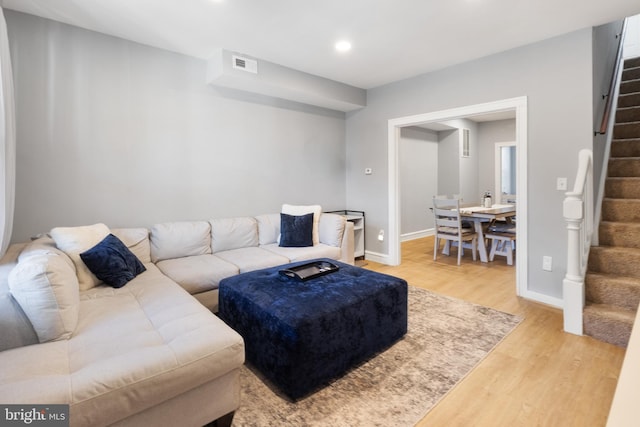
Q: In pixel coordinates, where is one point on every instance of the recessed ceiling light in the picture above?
(343, 46)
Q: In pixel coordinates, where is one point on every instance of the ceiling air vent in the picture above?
(246, 64)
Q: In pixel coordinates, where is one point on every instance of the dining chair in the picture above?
(448, 226)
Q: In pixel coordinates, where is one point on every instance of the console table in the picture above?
(357, 218)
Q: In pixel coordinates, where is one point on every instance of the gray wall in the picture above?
(554, 74)
(418, 177)
(488, 134)
(467, 166)
(458, 175)
(448, 162)
(113, 131)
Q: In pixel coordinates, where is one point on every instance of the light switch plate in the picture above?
(561, 184)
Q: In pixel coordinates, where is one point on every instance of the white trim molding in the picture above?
(519, 105)
(417, 235)
(377, 257)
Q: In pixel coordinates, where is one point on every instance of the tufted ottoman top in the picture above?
(301, 335)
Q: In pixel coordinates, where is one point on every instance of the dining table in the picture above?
(480, 215)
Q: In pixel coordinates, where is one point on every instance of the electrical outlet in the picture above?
(547, 263)
(381, 235)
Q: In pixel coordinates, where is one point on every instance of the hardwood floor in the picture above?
(538, 376)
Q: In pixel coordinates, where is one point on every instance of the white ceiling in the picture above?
(392, 39)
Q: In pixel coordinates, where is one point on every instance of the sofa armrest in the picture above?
(16, 328)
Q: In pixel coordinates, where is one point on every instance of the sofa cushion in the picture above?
(331, 229)
(180, 239)
(134, 347)
(268, 228)
(112, 262)
(197, 273)
(249, 259)
(301, 210)
(296, 230)
(137, 240)
(301, 254)
(73, 241)
(46, 287)
(233, 233)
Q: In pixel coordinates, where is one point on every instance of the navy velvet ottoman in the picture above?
(301, 335)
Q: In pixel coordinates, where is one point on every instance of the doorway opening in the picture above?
(519, 107)
(505, 172)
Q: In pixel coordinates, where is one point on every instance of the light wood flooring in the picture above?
(538, 375)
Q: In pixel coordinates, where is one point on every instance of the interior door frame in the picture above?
(519, 105)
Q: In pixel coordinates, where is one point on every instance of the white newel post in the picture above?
(578, 212)
(573, 283)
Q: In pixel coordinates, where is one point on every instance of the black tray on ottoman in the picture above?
(309, 270)
(303, 334)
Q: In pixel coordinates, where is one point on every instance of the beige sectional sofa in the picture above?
(151, 352)
(198, 254)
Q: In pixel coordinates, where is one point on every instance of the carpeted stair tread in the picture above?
(629, 114)
(629, 99)
(625, 147)
(612, 289)
(621, 210)
(622, 188)
(608, 323)
(627, 130)
(624, 166)
(620, 234)
(630, 73)
(630, 86)
(631, 63)
(614, 260)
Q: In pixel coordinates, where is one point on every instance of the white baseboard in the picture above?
(377, 257)
(543, 299)
(417, 235)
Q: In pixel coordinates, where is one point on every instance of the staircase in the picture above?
(613, 274)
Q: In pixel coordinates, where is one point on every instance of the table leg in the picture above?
(482, 248)
(446, 248)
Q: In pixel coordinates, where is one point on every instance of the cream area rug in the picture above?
(446, 339)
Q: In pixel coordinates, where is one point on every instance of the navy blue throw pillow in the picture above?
(112, 262)
(296, 231)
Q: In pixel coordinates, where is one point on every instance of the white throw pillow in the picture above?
(75, 240)
(137, 240)
(46, 287)
(303, 210)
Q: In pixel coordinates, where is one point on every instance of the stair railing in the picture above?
(608, 123)
(578, 213)
(614, 84)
